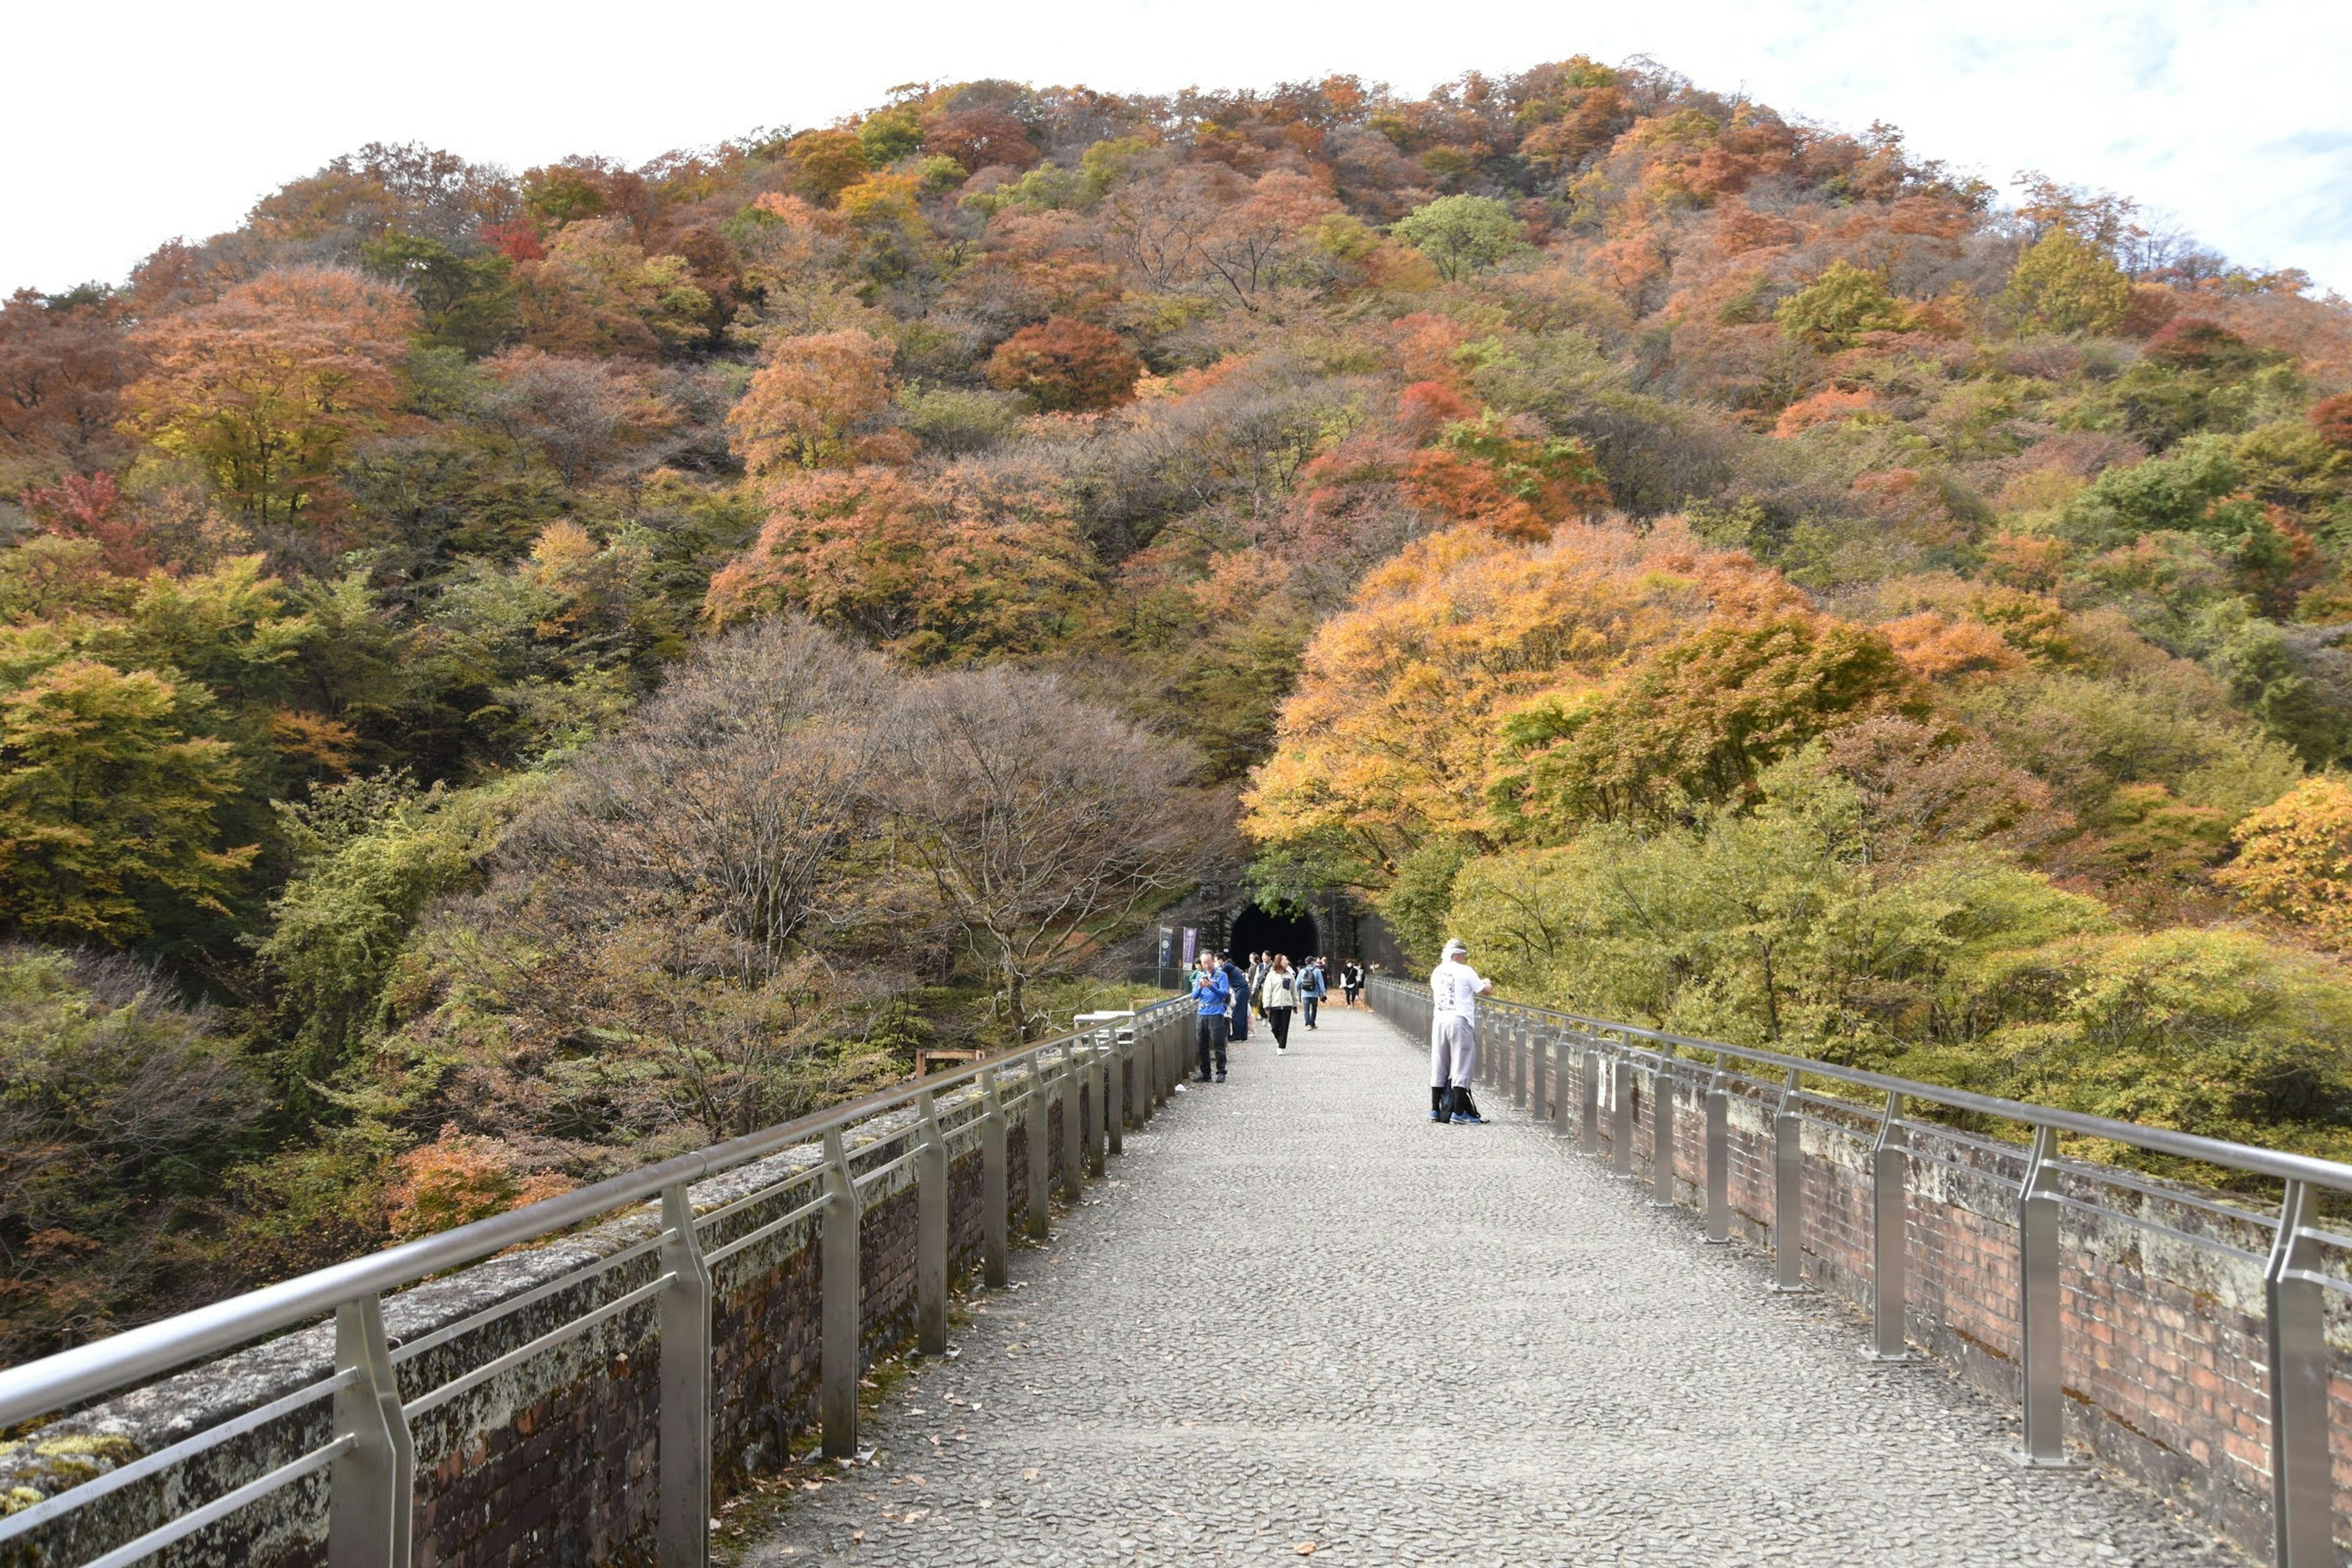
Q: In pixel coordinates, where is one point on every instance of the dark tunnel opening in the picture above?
(1256, 930)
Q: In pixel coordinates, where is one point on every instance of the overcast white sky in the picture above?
(140, 122)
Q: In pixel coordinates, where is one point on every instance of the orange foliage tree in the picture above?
(458, 1179)
(978, 138)
(1066, 364)
(2332, 418)
(266, 387)
(959, 565)
(1505, 475)
(62, 369)
(799, 408)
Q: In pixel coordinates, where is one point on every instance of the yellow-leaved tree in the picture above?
(1388, 741)
(2294, 858)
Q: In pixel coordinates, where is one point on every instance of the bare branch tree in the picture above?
(1043, 821)
(700, 890)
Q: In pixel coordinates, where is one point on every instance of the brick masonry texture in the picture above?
(2164, 1359)
(554, 1461)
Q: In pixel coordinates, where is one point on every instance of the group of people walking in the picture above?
(1223, 993)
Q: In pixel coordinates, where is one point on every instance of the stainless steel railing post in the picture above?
(1127, 1067)
(1148, 1059)
(1890, 1181)
(1034, 1220)
(931, 1233)
(1155, 1058)
(1621, 1113)
(1536, 1057)
(1662, 1135)
(2041, 1342)
(1561, 1047)
(1718, 1156)
(1073, 1141)
(1172, 1048)
(1092, 1073)
(838, 1329)
(996, 1173)
(2302, 1478)
(1788, 1194)
(1588, 1092)
(682, 1525)
(371, 1518)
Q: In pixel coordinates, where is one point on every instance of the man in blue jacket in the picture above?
(1213, 994)
(1312, 989)
(1239, 984)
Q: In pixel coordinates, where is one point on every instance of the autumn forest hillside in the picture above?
(509, 675)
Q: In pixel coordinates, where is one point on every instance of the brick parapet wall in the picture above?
(553, 1460)
(2164, 1359)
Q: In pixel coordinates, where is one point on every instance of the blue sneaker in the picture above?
(1464, 1118)
(1437, 1116)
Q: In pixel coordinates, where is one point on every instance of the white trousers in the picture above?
(1453, 1052)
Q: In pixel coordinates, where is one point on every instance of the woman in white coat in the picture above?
(1277, 998)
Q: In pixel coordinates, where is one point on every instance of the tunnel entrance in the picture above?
(1256, 930)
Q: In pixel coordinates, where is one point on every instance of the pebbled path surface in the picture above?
(1300, 1315)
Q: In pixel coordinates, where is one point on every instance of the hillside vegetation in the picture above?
(509, 676)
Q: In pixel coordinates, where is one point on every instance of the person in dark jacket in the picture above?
(1239, 984)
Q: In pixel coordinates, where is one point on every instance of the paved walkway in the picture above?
(1299, 1313)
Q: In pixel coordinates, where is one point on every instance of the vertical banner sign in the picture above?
(1167, 946)
(1191, 944)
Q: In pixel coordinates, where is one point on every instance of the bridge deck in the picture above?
(1299, 1313)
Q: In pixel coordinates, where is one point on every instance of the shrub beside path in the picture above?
(1301, 1320)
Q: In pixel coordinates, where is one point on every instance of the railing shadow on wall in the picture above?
(625, 1351)
(2174, 1332)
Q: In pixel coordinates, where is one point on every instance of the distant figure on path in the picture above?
(1213, 994)
(1312, 989)
(1352, 981)
(1454, 992)
(1277, 993)
(1240, 984)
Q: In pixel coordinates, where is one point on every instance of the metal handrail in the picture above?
(2300, 1362)
(372, 1445)
(136, 1354)
(2273, 1162)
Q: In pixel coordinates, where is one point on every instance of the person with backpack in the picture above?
(1454, 991)
(1213, 995)
(1312, 989)
(1277, 995)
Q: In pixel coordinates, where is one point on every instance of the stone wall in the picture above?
(554, 1459)
(2164, 1359)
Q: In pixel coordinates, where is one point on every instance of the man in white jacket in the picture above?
(1454, 991)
